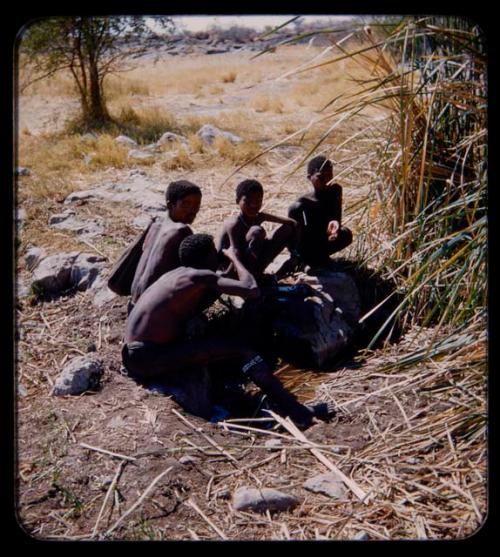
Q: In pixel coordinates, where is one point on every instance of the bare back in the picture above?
(160, 254)
(164, 308)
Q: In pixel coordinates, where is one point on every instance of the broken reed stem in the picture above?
(205, 436)
(108, 493)
(194, 506)
(292, 428)
(104, 451)
(138, 502)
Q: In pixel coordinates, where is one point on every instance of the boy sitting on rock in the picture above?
(319, 216)
(161, 245)
(244, 233)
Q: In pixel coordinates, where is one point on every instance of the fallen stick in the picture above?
(293, 429)
(194, 506)
(139, 501)
(99, 450)
(111, 488)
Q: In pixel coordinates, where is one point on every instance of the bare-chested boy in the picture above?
(161, 245)
(155, 343)
(244, 233)
(319, 216)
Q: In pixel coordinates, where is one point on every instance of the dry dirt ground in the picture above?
(107, 464)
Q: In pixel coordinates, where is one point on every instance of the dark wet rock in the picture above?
(262, 500)
(315, 319)
(79, 375)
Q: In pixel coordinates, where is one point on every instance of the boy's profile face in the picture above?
(185, 210)
(251, 203)
(321, 177)
(211, 260)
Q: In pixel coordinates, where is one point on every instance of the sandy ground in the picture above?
(85, 463)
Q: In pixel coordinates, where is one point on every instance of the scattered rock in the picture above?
(261, 500)
(329, 484)
(125, 140)
(103, 293)
(79, 375)
(61, 217)
(361, 536)
(23, 171)
(33, 256)
(21, 390)
(19, 217)
(208, 133)
(63, 271)
(67, 221)
(140, 155)
(274, 444)
(170, 137)
(187, 459)
(90, 136)
(85, 270)
(80, 196)
(139, 191)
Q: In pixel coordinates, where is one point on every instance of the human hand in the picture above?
(332, 230)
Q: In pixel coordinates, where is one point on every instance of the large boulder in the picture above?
(63, 271)
(67, 220)
(79, 375)
(314, 319)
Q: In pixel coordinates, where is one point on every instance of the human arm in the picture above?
(268, 217)
(244, 286)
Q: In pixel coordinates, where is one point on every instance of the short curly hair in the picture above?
(194, 248)
(181, 189)
(317, 164)
(246, 187)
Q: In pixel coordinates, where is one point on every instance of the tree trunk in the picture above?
(96, 111)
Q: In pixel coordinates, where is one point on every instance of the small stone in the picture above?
(187, 459)
(139, 155)
(208, 133)
(125, 140)
(328, 484)
(262, 500)
(273, 444)
(79, 375)
(361, 536)
(22, 171)
(170, 137)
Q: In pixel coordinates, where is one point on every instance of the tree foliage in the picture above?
(90, 48)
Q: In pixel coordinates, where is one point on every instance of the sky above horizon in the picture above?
(258, 22)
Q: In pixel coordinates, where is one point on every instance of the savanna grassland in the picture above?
(409, 432)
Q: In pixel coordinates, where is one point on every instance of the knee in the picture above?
(255, 234)
(345, 236)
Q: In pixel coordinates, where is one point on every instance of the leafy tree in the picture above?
(90, 48)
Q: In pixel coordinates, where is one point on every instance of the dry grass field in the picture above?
(105, 465)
